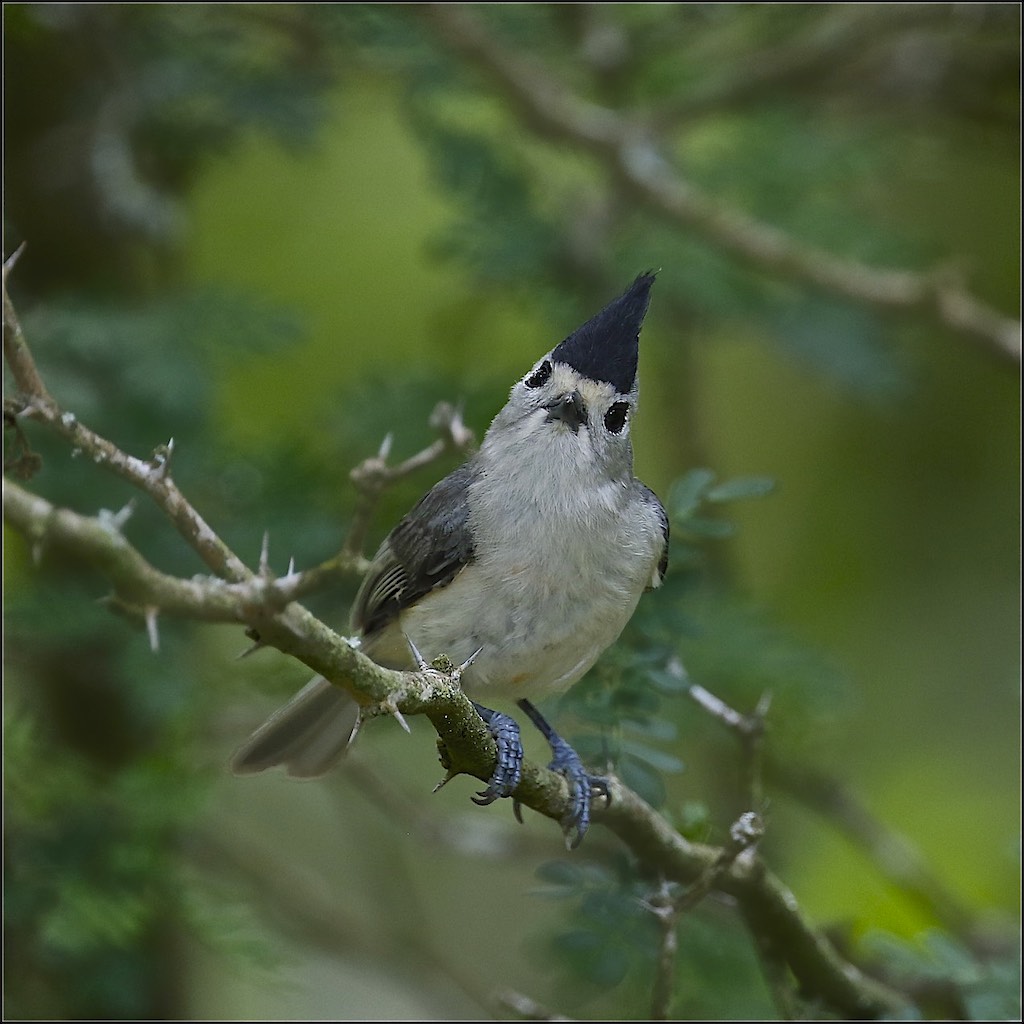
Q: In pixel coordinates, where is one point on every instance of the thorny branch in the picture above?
(749, 729)
(668, 906)
(267, 606)
(152, 477)
(372, 476)
(631, 147)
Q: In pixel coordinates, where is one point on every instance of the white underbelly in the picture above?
(535, 637)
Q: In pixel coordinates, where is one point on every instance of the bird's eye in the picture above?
(540, 376)
(615, 417)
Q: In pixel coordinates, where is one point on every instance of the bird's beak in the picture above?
(569, 409)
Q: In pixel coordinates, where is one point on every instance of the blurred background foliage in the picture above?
(280, 232)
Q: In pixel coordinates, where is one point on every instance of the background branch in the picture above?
(892, 854)
(749, 730)
(805, 59)
(312, 912)
(151, 477)
(627, 146)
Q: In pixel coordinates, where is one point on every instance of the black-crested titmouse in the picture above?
(527, 562)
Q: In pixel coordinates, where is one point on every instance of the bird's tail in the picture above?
(307, 736)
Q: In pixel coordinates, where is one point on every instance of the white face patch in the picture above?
(555, 443)
(597, 394)
(560, 380)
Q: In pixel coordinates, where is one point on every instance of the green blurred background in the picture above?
(278, 233)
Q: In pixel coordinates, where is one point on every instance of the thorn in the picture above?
(661, 903)
(357, 725)
(421, 664)
(469, 661)
(161, 459)
(13, 259)
(441, 417)
(257, 643)
(449, 775)
(151, 628)
(265, 554)
(251, 650)
(121, 517)
(460, 435)
(400, 719)
(291, 566)
(764, 704)
(31, 407)
(385, 447)
(457, 426)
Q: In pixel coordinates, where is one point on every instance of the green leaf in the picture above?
(716, 529)
(643, 779)
(668, 681)
(741, 487)
(656, 759)
(564, 878)
(686, 494)
(655, 728)
(694, 819)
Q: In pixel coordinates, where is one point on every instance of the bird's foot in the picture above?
(509, 768)
(583, 787)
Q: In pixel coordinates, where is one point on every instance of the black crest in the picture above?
(606, 346)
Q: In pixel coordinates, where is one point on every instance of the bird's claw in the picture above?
(508, 769)
(583, 787)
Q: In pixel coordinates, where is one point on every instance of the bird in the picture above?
(523, 564)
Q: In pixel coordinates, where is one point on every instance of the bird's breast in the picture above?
(544, 595)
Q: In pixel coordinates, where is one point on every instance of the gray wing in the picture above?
(662, 515)
(424, 551)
